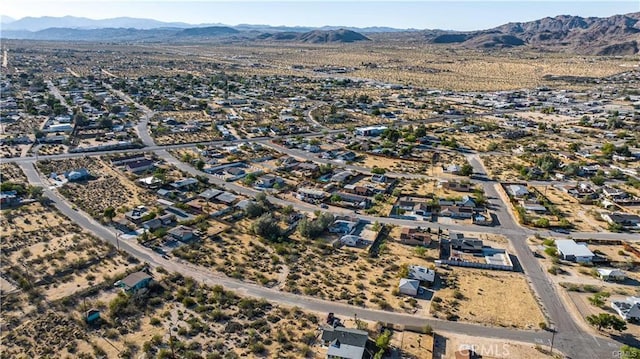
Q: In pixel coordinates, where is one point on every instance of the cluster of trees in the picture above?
(21, 189)
(609, 149)
(266, 226)
(547, 163)
(607, 321)
(258, 207)
(313, 228)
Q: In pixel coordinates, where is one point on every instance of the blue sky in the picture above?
(425, 14)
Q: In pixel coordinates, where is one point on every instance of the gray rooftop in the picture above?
(348, 336)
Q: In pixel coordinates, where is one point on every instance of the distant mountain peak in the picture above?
(317, 36)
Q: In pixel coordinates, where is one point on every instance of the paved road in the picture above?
(205, 275)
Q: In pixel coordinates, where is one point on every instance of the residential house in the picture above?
(342, 177)
(152, 224)
(370, 131)
(310, 194)
(306, 169)
(268, 181)
(417, 205)
(569, 250)
(347, 156)
(226, 198)
(137, 214)
(150, 182)
(413, 236)
(456, 186)
(210, 194)
(139, 166)
(409, 286)
(532, 205)
(614, 193)
(351, 241)
(355, 200)
(422, 274)
(423, 209)
(181, 233)
(9, 198)
(456, 212)
(622, 219)
(378, 178)
(122, 160)
(358, 190)
(134, 282)
(459, 242)
(77, 175)
(185, 184)
(588, 171)
(628, 309)
(453, 168)
(345, 343)
(343, 225)
(482, 219)
(611, 274)
(517, 191)
(235, 171)
(167, 219)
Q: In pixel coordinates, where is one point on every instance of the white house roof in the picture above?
(610, 272)
(411, 284)
(421, 273)
(627, 309)
(568, 247)
(518, 190)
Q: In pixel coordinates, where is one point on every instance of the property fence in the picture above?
(508, 265)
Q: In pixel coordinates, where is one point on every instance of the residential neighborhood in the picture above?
(246, 196)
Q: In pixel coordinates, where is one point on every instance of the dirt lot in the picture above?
(573, 211)
(490, 348)
(176, 313)
(42, 243)
(108, 188)
(500, 166)
(349, 275)
(10, 172)
(413, 345)
(163, 135)
(237, 253)
(480, 298)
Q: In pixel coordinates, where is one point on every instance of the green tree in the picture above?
(261, 197)
(606, 321)
(378, 170)
(598, 299)
(383, 341)
(608, 149)
(266, 226)
(200, 165)
(466, 170)
(109, 213)
(253, 210)
(250, 179)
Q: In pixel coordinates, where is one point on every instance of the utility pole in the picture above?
(118, 241)
(553, 336)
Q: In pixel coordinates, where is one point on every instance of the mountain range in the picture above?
(614, 35)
